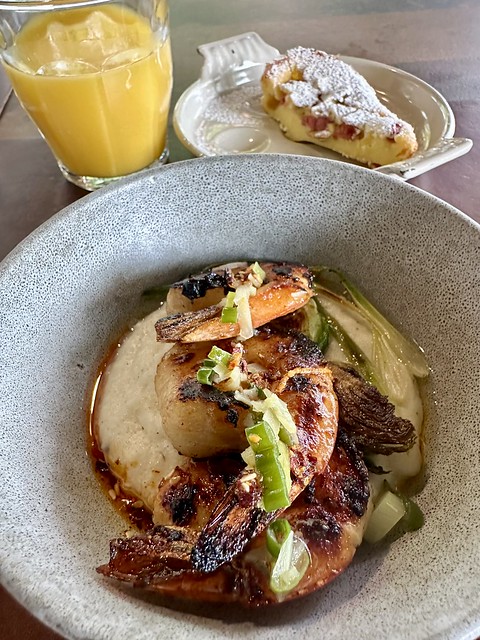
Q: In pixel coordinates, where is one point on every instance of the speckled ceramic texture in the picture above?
(70, 289)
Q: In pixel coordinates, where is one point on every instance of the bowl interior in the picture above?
(69, 291)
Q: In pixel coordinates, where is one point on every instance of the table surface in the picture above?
(436, 40)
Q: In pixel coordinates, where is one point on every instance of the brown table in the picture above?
(436, 40)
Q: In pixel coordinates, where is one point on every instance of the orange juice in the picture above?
(97, 83)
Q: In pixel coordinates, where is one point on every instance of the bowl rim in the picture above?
(125, 184)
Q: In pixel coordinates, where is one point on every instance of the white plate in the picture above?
(221, 113)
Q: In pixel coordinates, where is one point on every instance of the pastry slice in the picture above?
(318, 98)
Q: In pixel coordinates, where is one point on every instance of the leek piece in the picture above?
(230, 299)
(388, 512)
(354, 355)
(313, 324)
(229, 311)
(275, 406)
(408, 352)
(413, 518)
(244, 318)
(277, 532)
(290, 566)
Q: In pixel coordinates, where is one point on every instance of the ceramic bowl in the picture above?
(70, 289)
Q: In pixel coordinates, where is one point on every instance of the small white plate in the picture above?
(221, 113)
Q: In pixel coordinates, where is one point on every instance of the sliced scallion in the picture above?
(229, 311)
(229, 315)
(261, 436)
(258, 272)
(277, 532)
(219, 356)
(205, 375)
(290, 566)
(270, 464)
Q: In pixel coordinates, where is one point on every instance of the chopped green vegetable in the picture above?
(273, 465)
(261, 436)
(290, 566)
(242, 301)
(205, 375)
(394, 513)
(229, 315)
(258, 271)
(229, 311)
(277, 532)
(313, 323)
(388, 512)
(219, 356)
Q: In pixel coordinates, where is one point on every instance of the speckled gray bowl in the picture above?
(69, 289)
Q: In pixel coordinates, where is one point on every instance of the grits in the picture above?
(128, 426)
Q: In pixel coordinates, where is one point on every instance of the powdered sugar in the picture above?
(333, 89)
(239, 109)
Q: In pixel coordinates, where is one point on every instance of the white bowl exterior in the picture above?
(69, 291)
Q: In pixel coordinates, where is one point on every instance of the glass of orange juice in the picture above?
(95, 76)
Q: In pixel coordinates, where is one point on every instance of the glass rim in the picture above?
(25, 6)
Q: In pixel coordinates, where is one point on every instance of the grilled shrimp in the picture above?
(286, 288)
(329, 515)
(203, 421)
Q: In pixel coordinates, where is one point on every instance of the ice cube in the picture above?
(66, 68)
(123, 58)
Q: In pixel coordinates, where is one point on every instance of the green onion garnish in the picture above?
(219, 356)
(258, 271)
(291, 563)
(229, 315)
(270, 463)
(205, 375)
(229, 311)
(277, 533)
(215, 364)
(261, 436)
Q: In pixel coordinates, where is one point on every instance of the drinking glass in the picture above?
(95, 76)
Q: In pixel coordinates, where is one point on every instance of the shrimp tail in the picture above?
(175, 327)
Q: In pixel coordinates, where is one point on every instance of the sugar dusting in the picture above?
(240, 107)
(333, 89)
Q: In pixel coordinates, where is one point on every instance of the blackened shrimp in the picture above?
(203, 421)
(329, 516)
(286, 288)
